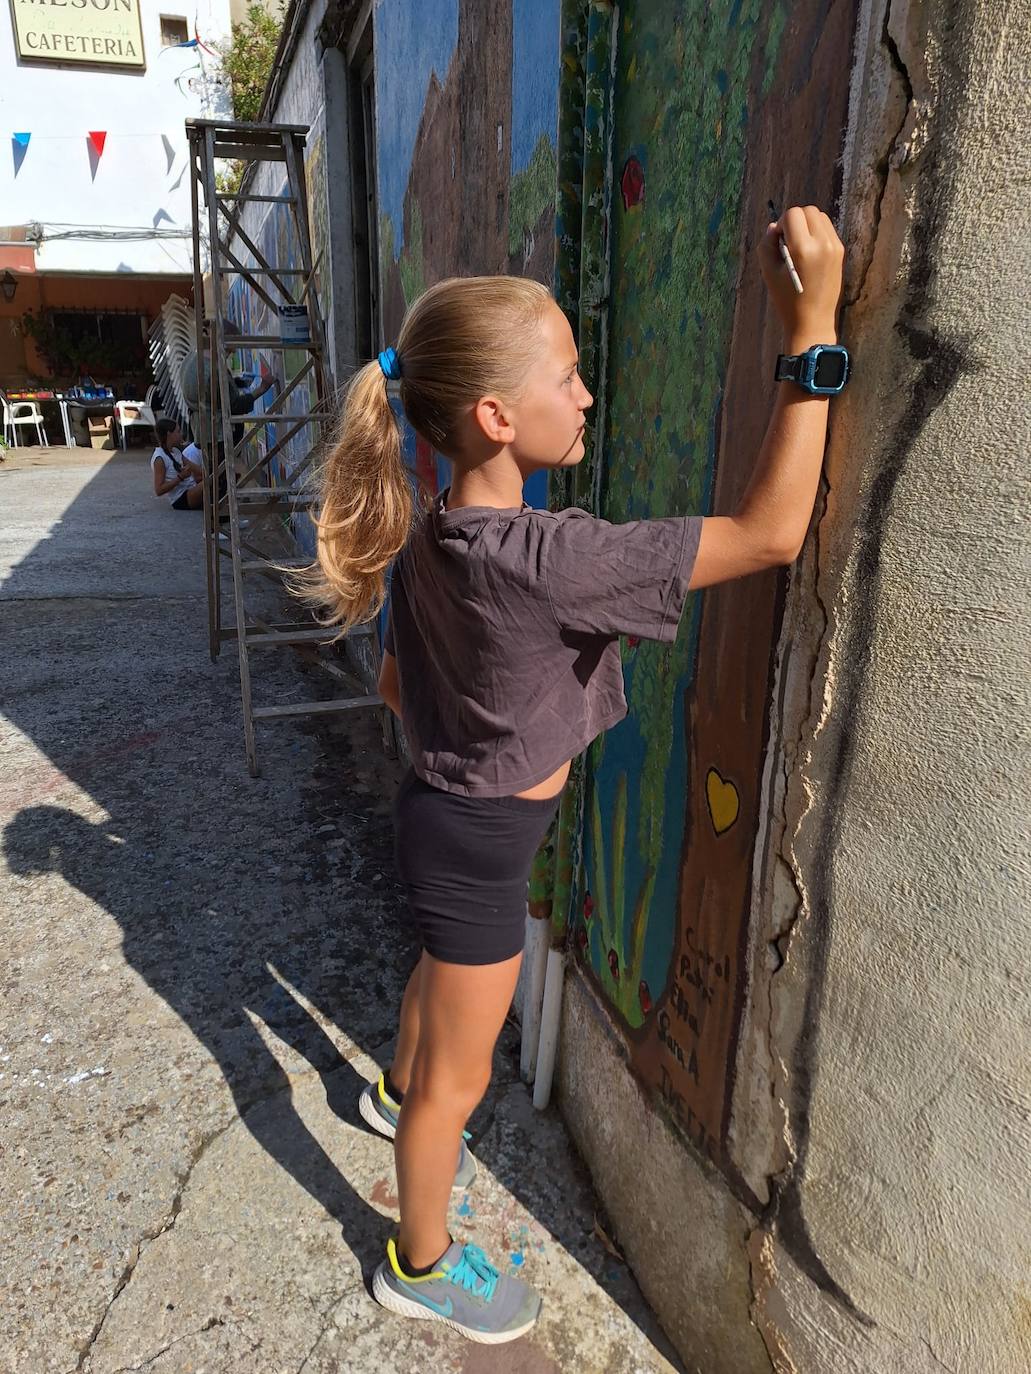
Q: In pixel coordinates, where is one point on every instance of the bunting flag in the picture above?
(95, 147)
(96, 142)
(19, 147)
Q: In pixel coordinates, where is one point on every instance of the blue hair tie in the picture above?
(391, 365)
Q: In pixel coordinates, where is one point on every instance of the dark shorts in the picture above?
(181, 503)
(464, 863)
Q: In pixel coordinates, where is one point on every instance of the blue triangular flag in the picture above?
(20, 148)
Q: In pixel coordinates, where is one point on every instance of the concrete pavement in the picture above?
(201, 970)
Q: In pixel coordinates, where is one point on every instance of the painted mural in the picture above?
(318, 211)
(663, 845)
(681, 100)
(467, 112)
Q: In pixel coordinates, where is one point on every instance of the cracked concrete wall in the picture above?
(899, 1236)
(870, 1197)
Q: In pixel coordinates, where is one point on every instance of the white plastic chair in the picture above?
(22, 413)
(132, 414)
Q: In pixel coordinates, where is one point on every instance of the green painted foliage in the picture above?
(682, 108)
(410, 264)
(531, 193)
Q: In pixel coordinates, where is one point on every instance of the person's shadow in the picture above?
(214, 880)
(213, 971)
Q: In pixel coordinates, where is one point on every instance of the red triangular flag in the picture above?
(98, 140)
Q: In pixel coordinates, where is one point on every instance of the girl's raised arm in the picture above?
(770, 524)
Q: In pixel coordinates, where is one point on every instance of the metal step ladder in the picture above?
(240, 481)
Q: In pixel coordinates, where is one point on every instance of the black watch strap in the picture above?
(789, 367)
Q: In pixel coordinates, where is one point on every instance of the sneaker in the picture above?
(463, 1291)
(380, 1111)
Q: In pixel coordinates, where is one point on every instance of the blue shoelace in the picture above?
(474, 1273)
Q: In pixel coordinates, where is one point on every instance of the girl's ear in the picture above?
(494, 420)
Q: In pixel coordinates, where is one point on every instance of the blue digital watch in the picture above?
(821, 370)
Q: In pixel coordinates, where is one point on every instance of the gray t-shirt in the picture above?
(505, 627)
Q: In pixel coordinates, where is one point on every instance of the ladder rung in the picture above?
(262, 341)
(265, 200)
(262, 272)
(271, 494)
(265, 639)
(261, 626)
(288, 634)
(268, 415)
(242, 126)
(265, 565)
(249, 152)
(272, 509)
(313, 708)
(261, 510)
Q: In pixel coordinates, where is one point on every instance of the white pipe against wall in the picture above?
(551, 1018)
(535, 960)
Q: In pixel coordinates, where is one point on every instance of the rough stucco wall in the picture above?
(900, 1016)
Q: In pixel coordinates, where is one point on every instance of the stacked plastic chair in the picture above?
(171, 341)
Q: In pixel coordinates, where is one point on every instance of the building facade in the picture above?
(791, 887)
(94, 182)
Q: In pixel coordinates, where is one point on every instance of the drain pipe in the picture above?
(535, 960)
(551, 1021)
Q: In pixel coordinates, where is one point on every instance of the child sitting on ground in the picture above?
(175, 476)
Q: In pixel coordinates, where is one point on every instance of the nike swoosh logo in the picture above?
(445, 1308)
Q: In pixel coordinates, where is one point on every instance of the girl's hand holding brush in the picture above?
(806, 294)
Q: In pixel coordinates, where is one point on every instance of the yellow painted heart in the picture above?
(723, 801)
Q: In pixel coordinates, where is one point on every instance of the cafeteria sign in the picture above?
(95, 33)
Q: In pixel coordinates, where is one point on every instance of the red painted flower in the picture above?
(614, 964)
(633, 641)
(632, 183)
(645, 996)
(588, 906)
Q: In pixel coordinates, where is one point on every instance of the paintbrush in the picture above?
(795, 279)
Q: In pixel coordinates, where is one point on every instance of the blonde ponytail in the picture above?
(365, 507)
